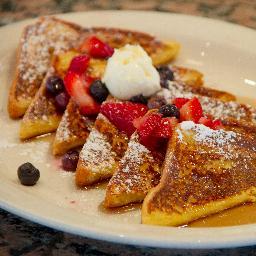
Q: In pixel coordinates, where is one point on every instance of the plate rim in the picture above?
(127, 239)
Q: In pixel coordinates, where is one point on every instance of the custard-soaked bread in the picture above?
(137, 173)
(205, 171)
(72, 131)
(38, 43)
(101, 153)
(42, 115)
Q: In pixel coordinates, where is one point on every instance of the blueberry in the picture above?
(156, 102)
(28, 174)
(139, 99)
(54, 85)
(165, 75)
(69, 161)
(61, 101)
(169, 111)
(99, 91)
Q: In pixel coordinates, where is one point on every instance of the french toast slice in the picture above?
(72, 131)
(205, 171)
(38, 43)
(101, 153)
(42, 116)
(138, 172)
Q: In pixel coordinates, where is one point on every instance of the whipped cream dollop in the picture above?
(130, 72)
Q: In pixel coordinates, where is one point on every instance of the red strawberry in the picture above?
(165, 127)
(147, 127)
(77, 86)
(122, 114)
(179, 102)
(207, 121)
(217, 124)
(191, 111)
(79, 64)
(96, 48)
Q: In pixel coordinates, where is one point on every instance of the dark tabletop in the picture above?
(22, 237)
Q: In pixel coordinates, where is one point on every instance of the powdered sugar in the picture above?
(219, 140)
(97, 152)
(39, 42)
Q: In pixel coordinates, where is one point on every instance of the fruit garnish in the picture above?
(28, 174)
(205, 120)
(165, 127)
(191, 111)
(166, 75)
(77, 85)
(179, 102)
(69, 161)
(54, 85)
(61, 101)
(139, 99)
(146, 127)
(217, 124)
(99, 91)
(79, 64)
(122, 114)
(169, 110)
(96, 48)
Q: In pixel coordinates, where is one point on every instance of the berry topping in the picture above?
(179, 102)
(169, 111)
(165, 127)
(28, 174)
(207, 121)
(191, 111)
(146, 127)
(61, 101)
(77, 85)
(165, 75)
(54, 85)
(69, 161)
(96, 48)
(139, 99)
(79, 64)
(122, 114)
(99, 91)
(156, 102)
(217, 124)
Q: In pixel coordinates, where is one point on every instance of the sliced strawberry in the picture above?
(147, 128)
(191, 111)
(179, 102)
(165, 127)
(79, 64)
(77, 85)
(217, 124)
(122, 114)
(96, 48)
(207, 121)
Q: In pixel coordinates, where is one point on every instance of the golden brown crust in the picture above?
(41, 116)
(72, 131)
(137, 173)
(37, 44)
(206, 170)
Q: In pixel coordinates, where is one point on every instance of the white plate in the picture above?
(225, 53)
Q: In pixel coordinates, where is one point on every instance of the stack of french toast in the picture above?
(184, 152)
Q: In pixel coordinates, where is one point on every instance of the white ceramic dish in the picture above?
(225, 53)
